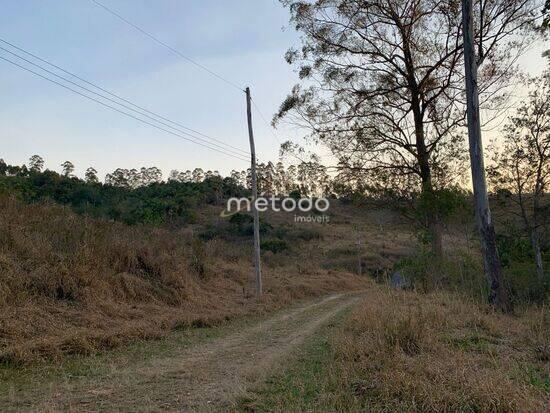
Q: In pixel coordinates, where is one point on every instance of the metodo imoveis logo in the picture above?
(276, 204)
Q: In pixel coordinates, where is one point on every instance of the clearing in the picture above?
(192, 370)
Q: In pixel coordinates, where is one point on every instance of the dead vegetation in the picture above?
(403, 351)
(201, 370)
(75, 285)
(72, 284)
(438, 352)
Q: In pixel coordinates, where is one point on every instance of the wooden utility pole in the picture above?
(493, 271)
(257, 268)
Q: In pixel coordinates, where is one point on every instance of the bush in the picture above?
(274, 245)
(241, 219)
(462, 273)
(305, 234)
(518, 264)
(524, 285)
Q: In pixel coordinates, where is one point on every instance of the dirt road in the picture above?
(208, 375)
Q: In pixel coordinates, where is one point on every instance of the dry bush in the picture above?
(72, 284)
(438, 352)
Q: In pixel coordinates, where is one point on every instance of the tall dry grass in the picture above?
(72, 284)
(403, 351)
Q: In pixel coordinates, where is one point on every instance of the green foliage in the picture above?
(465, 273)
(523, 283)
(241, 219)
(274, 245)
(443, 202)
(156, 203)
(472, 342)
(512, 247)
(462, 273)
(518, 265)
(295, 194)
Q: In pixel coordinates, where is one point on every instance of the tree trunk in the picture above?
(498, 295)
(437, 235)
(434, 223)
(535, 243)
(423, 155)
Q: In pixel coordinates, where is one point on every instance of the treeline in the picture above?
(144, 196)
(127, 196)
(308, 178)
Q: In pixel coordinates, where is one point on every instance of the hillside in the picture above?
(146, 279)
(76, 284)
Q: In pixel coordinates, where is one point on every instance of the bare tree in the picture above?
(521, 170)
(383, 86)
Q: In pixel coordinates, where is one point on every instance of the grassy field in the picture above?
(403, 351)
(71, 284)
(88, 301)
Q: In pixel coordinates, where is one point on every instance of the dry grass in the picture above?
(433, 353)
(410, 352)
(72, 284)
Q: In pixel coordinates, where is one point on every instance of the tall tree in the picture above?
(493, 271)
(174, 175)
(67, 168)
(119, 177)
(36, 163)
(91, 175)
(382, 85)
(148, 176)
(521, 171)
(197, 175)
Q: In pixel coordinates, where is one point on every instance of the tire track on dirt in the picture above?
(204, 377)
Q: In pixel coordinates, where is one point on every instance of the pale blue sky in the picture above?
(243, 40)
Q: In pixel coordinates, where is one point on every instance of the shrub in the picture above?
(524, 285)
(462, 272)
(305, 234)
(198, 257)
(240, 219)
(274, 245)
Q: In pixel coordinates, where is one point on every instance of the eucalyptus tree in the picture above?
(67, 168)
(36, 163)
(383, 84)
(521, 170)
(91, 175)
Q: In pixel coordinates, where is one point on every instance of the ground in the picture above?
(192, 370)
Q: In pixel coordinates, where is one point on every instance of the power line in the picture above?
(160, 42)
(265, 120)
(121, 111)
(240, 151)
(177, 52)
(270, 127)
(117, 103)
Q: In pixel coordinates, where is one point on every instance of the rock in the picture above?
(398, 281)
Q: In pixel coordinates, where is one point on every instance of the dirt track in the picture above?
(206, 376)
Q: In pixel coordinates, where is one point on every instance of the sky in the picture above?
(242, 40)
